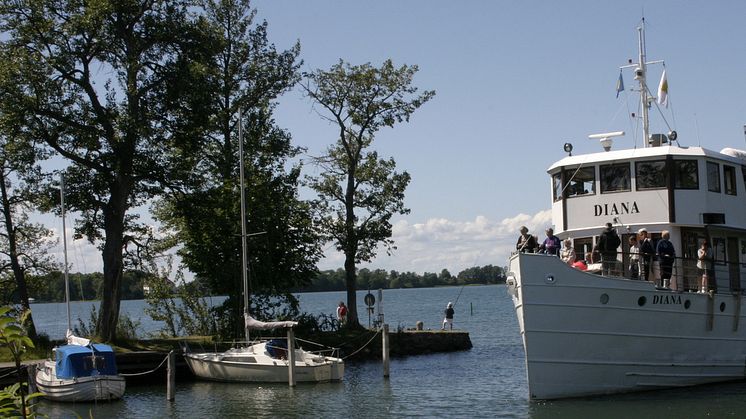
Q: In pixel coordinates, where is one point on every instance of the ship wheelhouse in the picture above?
(692, 192)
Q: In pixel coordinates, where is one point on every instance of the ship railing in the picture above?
(723, 276)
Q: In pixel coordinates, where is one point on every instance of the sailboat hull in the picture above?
(252, 364)
(81, 389)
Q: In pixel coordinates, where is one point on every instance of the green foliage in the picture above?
(183, 308)
(128, 329)
(118, 90)
(358, 191)
(264, 307)
(13, 400)
(203, 217)
(14, 404)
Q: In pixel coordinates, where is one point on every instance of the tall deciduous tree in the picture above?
(358, 191)
(247, 73)
(24, 245)
(112, 86)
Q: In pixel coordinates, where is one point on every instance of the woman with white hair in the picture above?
(568, 252)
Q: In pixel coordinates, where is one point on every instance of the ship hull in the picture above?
(585, 335)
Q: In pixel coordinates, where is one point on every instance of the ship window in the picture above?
(713, 177)
(729, 178)
(615, 177)
(557, 186)
(582, 182)
(685, 174)
(650, 174)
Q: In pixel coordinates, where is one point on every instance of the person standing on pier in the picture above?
(449, 317)
(342, 313)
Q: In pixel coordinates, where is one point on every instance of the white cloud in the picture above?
(440, 243)
(430, 246)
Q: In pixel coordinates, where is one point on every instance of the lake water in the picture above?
(486, 381)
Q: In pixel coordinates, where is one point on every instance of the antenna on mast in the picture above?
(641, 70)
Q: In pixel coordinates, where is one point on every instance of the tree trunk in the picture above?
(113, 265)
(350, 252)
(15, 264)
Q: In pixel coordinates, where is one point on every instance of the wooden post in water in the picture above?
(171, 376)
(291, 357)
(385, 341)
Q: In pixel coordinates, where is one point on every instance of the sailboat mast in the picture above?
(244, 256)
(64, 247)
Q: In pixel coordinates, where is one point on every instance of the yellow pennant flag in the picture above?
(663, 90)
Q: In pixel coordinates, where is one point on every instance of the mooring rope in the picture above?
(146, 372)
(366, 344)
(15, 371)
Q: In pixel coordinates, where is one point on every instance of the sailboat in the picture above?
(80, 371)
(641, 323)
(263, 361)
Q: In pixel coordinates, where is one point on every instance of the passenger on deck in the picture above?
(634, 258)
(704, 256)
(607, 245)
(568, 252)
(666, 256)
(646, 254)
(526, 242)
(551, 244)
(580, 264)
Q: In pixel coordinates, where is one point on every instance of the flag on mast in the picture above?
(619, 85)
(663, 90)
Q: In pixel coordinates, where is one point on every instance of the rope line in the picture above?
(15, 371)
(366, 344)
(146, 372)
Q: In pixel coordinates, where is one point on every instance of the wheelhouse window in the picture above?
(685, 174)
(729, 179)
(650, 174)
(713, 177)
(582, 182)
(557, 186)
(615, 177)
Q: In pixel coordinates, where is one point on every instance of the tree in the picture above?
(114, 87)
(358, 192)
(24, 245)
(248, 74)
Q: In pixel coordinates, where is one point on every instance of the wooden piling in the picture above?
(291, 357)
(171, 377)
(385, 341)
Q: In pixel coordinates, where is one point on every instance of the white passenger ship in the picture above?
(586, 334)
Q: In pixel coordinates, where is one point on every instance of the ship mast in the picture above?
(640, 75)
(641, 71)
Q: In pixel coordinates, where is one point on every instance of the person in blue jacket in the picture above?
(666, 256)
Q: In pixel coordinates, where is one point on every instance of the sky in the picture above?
(514, 81)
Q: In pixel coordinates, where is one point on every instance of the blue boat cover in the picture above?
(84, 361)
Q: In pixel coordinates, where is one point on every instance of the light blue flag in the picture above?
(619, 85)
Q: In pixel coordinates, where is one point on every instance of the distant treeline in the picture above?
(83, 287)
(334, 280)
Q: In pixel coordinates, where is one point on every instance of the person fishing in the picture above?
(448, 320)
